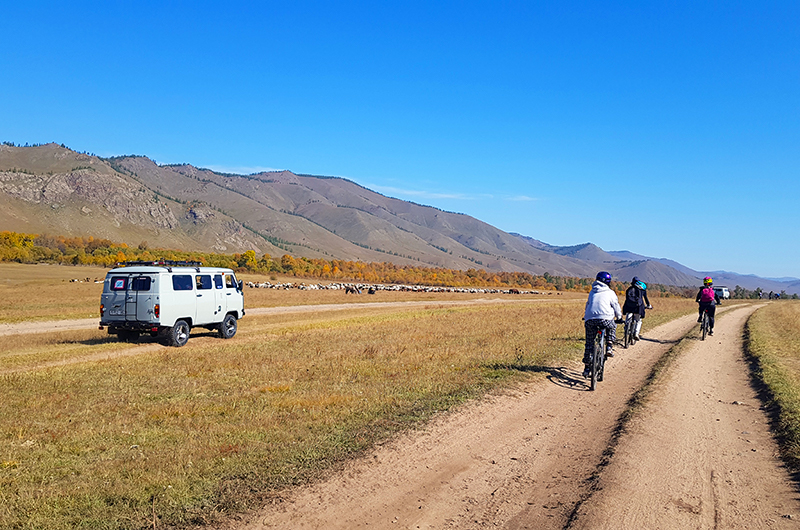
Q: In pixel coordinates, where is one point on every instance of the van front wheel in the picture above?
(227, 328)
(178, 334)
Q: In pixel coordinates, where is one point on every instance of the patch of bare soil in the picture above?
(699, 456)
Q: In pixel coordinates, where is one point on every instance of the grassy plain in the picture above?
(144, 436)
(46, 292)
(774, 342)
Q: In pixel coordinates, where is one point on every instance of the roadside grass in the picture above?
(773, 342)
(30, 350)
(45, 292)
(183, 436)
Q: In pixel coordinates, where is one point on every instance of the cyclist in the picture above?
(708, 300)
(636, 302)
(602, 309)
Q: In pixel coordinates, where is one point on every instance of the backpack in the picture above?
(707, 294)
(633, 296)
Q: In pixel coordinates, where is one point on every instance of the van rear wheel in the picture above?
(178, 334)
(227, 328)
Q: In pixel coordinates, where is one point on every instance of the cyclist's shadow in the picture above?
(561, 376)
(567, 378)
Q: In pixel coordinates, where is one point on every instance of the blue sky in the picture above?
(670, 129)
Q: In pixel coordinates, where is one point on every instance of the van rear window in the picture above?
(182, 282)
(119, 283)
(141, 283)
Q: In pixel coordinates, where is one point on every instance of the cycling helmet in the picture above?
(636, 282)
(707, 280)
(604, 277)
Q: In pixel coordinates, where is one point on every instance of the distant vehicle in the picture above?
(168, 298)
(722, 292)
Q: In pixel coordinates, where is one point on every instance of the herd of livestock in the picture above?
(372, 288)
(369, 288)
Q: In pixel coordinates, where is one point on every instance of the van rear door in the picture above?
(140, 299)
(115, 294)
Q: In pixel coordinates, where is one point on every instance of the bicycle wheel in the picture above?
(601, 363)
(704, 325)
(626, 333)
(597, 355)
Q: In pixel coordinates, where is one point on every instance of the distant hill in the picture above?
(52, 189)
(724, 278)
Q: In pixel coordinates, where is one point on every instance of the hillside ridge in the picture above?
(52, 189)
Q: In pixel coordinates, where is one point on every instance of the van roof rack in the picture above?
(160, 263)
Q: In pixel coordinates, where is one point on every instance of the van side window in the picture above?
(182, 282)
(230, 281)
(203, 281)
(218, 281)
(141, 283)
(119, 283)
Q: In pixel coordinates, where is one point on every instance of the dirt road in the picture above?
(89, 323)
(698, 455)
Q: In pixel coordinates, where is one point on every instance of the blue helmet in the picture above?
(636, 282)
(604, 277)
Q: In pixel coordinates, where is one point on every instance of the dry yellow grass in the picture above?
(773, 334)
(45, 292)
(184, 435)
(215, 425)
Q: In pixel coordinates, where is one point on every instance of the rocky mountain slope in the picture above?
(52, 189)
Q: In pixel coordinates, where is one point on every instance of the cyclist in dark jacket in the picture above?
(636, 302)
(708, 300)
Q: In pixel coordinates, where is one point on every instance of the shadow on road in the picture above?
(645, 339)
(560, 376)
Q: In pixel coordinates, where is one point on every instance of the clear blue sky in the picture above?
(670, 129)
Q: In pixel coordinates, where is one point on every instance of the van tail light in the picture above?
(157, 310)
(102, 310)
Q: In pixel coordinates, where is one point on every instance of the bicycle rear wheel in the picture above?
(704, 325)
(597, 359)
(626, 335)
(601, 366)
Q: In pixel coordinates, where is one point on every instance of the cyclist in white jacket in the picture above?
(602, 309)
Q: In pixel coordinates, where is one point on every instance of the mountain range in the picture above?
(54, 190)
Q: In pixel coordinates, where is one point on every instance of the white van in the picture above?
(168, 298)
(722, 292)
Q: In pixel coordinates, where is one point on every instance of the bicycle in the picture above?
(704, 324)
(629, 335)
(599, 356)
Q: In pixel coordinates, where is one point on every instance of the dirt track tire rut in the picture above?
(535, 457)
